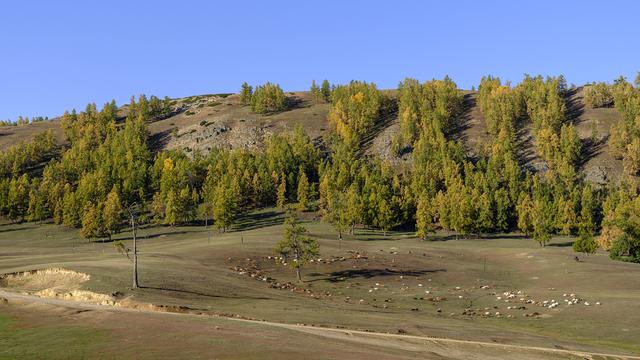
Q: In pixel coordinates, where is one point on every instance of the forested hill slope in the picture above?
(221, 121)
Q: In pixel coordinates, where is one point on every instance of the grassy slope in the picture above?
(180, 267)
(32, 338)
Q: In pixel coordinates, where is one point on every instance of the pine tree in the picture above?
(296, 247)
(37, 204)
(586, 222)
(336, 212)
(303, 191)
(542, 216)
(425, 221)
(353, 207)
(315, 92)
(484, 222)
(525, 214)
(282, 193)
(70, 216)
(112, 213)
(171, 209)
(246, 91)
(325, 90)
(585, 243)
(225, 206)
(90, 222)
(385, 216)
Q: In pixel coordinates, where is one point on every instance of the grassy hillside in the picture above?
(397, 284)
(220, 121)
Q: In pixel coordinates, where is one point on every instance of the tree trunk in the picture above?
(298, 274)
(135, 253)
(340, 239)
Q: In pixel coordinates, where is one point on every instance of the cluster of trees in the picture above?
(598, 95)
(556, 139)
(320, 93)
(267, 98)
(23, 121)
(461, 195)
(356, 109)
(428, 110)
(355, 191)
(108, 167)
(26, 155)
(620, 233)
(501, 105)
(224, 184)
(624, 141)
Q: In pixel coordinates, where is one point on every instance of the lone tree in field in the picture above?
(296, 247)
(246, 91)
(585, 243)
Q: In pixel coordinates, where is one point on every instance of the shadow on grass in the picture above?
(258, 220)
(343, 275)
(188, 292)
(482, 237)
(561, 244)
(17, 228)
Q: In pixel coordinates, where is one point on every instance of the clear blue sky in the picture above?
(57, 55)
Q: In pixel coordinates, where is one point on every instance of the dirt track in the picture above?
(342, 334)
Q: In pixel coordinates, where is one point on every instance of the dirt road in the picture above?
(409, 341)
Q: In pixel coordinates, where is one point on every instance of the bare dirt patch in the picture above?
(45, 279)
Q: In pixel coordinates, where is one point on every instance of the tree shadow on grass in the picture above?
(145, 236)
(18, 228)
(449, 237)
(189, 292)
(258, 220)
(338, 276)
(561, 244)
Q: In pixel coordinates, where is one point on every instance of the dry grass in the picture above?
(180, 267)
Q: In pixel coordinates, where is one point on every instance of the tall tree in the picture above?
(112, 213)
(315, 91)
(303, 191)
(91, 227)
(282, 192)
(246, 91)
(225, 205)
(425, 222)
(296, 247)
(325, 90)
